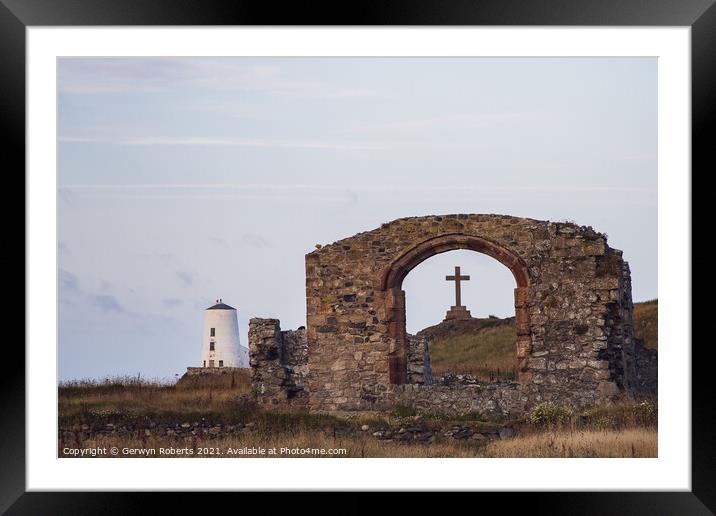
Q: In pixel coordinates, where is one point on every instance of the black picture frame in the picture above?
(700, 15)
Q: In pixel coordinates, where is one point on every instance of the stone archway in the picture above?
(396, 272)
(573, 310)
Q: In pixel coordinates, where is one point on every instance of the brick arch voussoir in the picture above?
(396, 272)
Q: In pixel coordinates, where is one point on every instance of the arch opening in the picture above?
(392, 282)
(472, 333)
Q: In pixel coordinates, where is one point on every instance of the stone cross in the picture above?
(457, 279)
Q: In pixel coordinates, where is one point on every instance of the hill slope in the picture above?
(479, 347)
(485, 348)
(646, 323)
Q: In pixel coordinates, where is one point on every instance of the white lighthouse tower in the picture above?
(220, 344)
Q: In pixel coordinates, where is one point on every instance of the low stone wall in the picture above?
(216, 377)
(195, 371)
(487, 399)
(279, 363)
(280, 374)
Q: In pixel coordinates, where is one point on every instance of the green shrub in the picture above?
(404, 411)
(548, 414)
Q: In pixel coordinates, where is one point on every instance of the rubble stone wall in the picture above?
(279, 363)
(569, 284)
(573, 314)
(419, 369)
(491, 400)
(199, 371)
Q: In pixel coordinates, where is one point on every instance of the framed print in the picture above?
(290, 251)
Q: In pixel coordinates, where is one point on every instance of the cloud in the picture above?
(255, 240)
(107, 303)
(167, 259)
(186, 277)
(172, 302)
(232, 109)
(129, 75)
(70, 290)
(457, 121)
(218, 241)
(66, 196)
(67, 281)
(88, 76)
(352, 190)
(354, 94)
(640, 156)
(201, 304)
(204, 141)
(269, 143)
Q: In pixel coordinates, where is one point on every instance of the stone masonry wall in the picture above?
(572, 328)
(492, 400)
(632, 367)
(645, 381)
(573, 315)
(279, 363)
(199, 371)
(419, 369)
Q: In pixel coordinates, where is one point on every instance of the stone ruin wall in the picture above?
(631, 364)
(279, 364)
(419, 370)
(202, 371)
(429, 395)
(573, 316)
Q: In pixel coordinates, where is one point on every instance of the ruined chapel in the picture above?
(573, 315)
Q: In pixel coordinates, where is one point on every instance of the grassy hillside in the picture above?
(485, 348)
(646, 323)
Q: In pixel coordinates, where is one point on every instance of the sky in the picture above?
(185, 180)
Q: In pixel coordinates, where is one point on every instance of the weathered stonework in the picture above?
(419, 369)
(220, 377)
(487, 399)
(279, 363)
(573, 315)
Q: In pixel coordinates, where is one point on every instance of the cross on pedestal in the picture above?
(458, 311)
(457, 279)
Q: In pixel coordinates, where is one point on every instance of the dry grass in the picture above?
(360, 445)
(626, 429)
(633, 442)
(131, 395)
